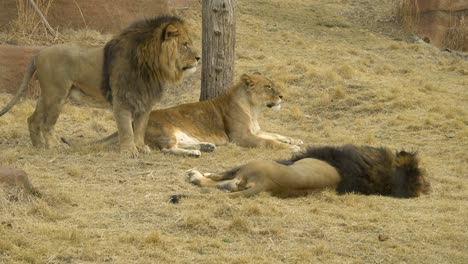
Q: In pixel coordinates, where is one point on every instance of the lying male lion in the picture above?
(129, 73)
(348, 169)
(190, 128)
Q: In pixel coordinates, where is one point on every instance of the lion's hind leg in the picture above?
(230, 181)
(42, 122)
(187, 142)
(252, 191)
(53, 107)
(207, 147)
(34, 124)
(179, 143)
(182, 152)
(50, 104)
(201, 146)
(205, 180)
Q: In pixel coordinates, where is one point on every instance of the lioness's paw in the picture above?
(295, 148)
(295, 141)
(194, 153)
(207, 147)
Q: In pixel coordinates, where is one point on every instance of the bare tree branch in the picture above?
(44, 20)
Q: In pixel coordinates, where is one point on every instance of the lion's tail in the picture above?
(24, 86)
(111, 139)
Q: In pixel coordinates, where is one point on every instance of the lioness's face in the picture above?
(262, 91)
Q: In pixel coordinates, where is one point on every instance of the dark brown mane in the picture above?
(127, 48)
(371, 170)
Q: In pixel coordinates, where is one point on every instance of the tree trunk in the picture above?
(219, 37)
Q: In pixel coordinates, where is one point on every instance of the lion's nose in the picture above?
(197, 58)
(281, 97)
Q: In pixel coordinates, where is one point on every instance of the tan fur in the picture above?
(232, 117)
(268, 176)
(347, 169)
(75, 71)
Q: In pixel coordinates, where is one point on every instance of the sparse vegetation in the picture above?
(348, 79)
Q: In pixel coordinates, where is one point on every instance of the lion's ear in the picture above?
(171, 31)
(247, 80)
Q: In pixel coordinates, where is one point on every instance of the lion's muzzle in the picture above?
(190, 68)
(275, 105)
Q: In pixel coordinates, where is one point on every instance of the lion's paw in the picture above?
(207, 147)
(208, 174)
(194, 176)
(145, 149)
(295, 141)
(131, 152)
(295, 148)
(194, 153)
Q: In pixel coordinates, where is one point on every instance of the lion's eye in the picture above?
(269, 87)
(186, 45)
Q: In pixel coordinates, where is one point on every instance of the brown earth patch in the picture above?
(443, 23)
(13, 63)
(105, 16)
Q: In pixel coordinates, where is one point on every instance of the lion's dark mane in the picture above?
(141, 77)
(369, 170)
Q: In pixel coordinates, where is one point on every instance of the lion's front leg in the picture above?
(252, 141)
(280, 138)
(140, 123)
(123, 118)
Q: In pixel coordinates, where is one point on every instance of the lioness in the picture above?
(190, 128)
(348, 169)
(129, 73)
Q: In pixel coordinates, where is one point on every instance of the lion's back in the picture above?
(71, 64)
(67, 52)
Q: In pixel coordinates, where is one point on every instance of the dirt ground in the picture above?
(350, 76)
(104, 16)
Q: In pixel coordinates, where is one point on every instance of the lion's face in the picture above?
(188, 55)
(178, 52)
(262, 91)
(417, 176)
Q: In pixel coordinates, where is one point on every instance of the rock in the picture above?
(14, 62)
(16, 178)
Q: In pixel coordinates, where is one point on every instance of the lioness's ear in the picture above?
(247, 80)
(171, 31)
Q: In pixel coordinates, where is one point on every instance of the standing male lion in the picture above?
(129, 73)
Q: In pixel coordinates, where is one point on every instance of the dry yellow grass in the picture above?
(347, 81)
